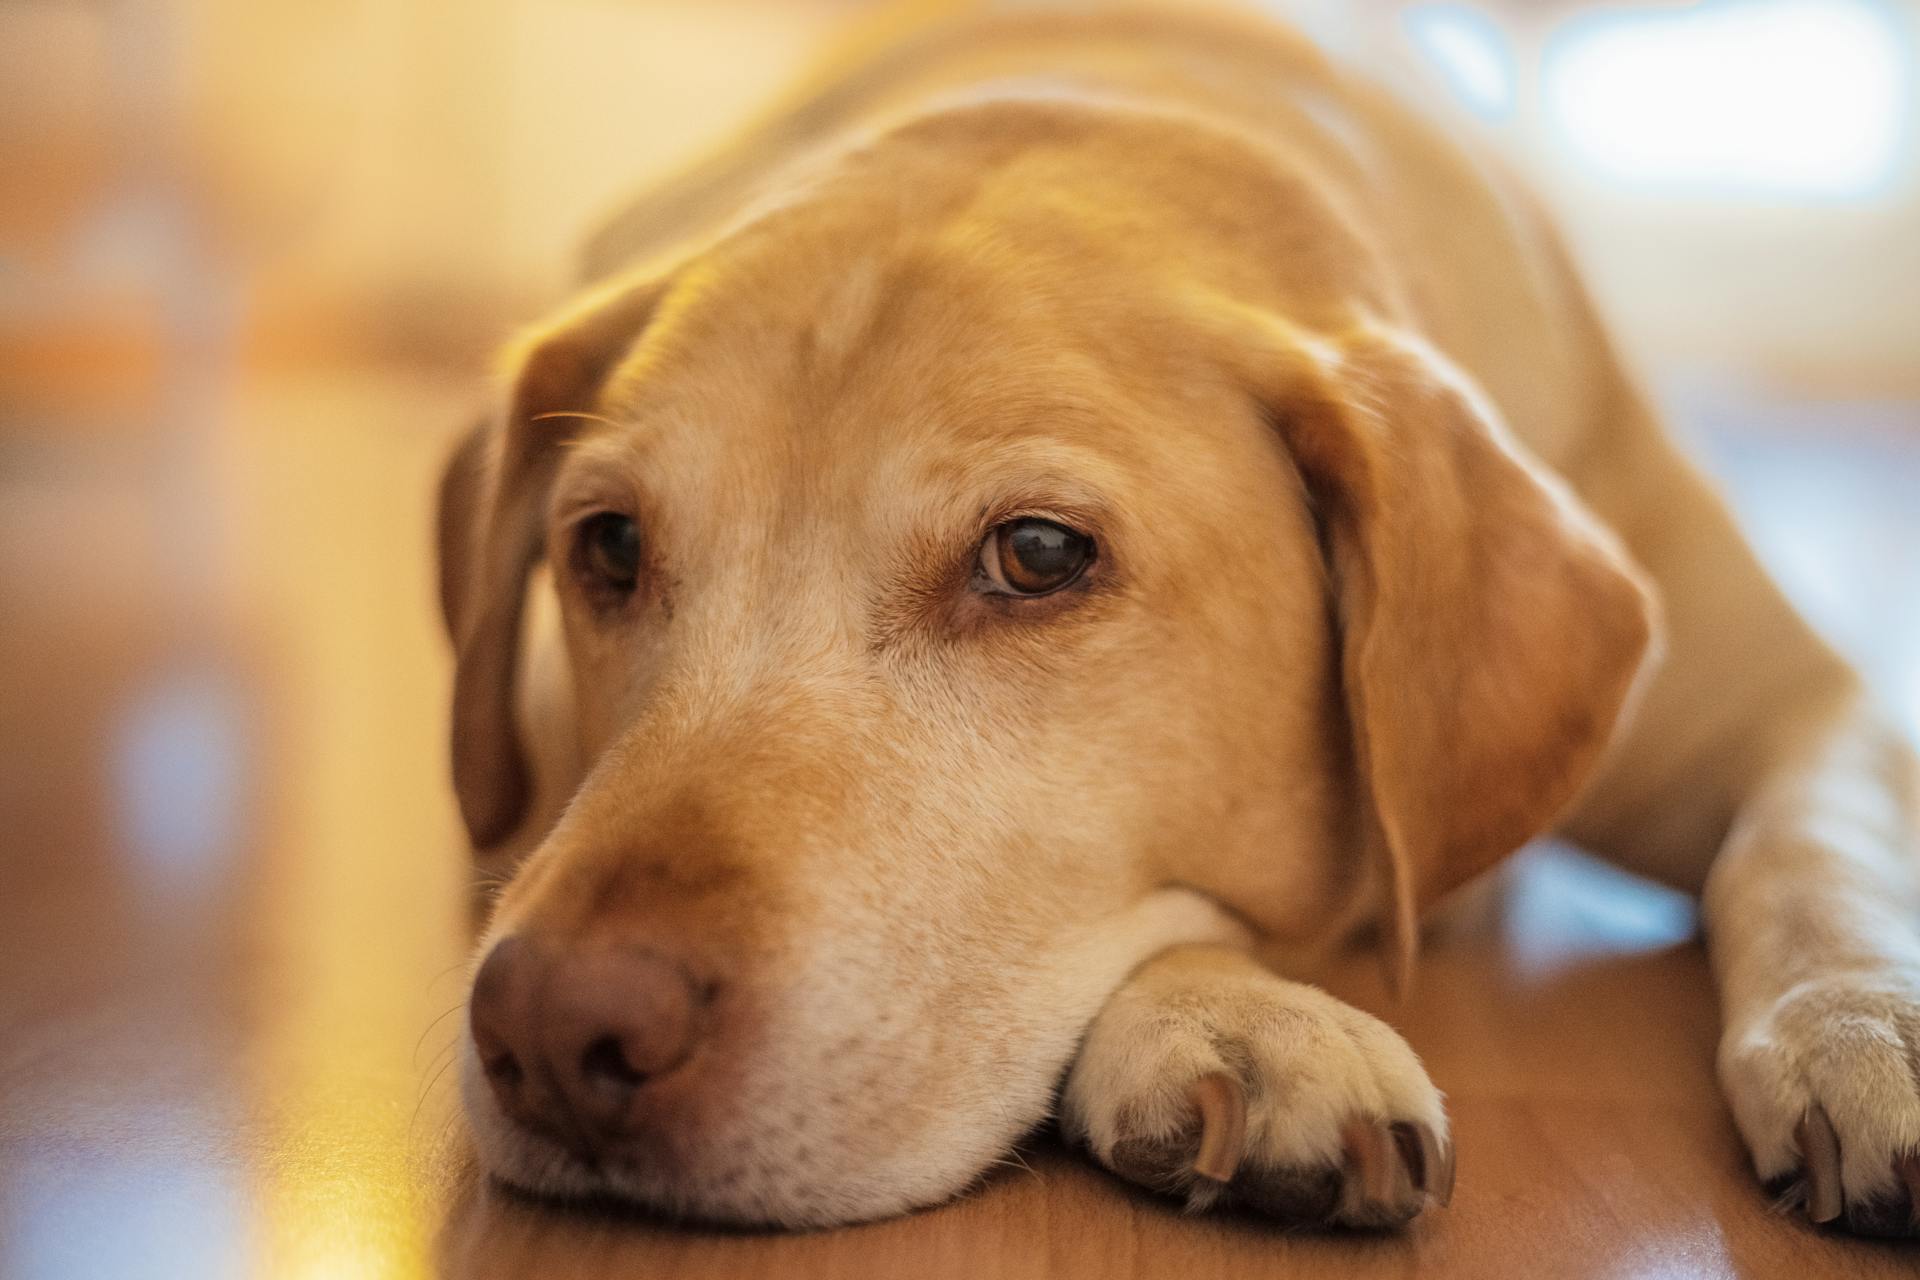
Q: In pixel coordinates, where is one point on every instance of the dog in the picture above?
(1071, 506)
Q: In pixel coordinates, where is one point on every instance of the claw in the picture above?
(1378, 1177)
(1413, 1153)
(1443, 1185)
(1223, 1126)
(1820, 1152)
(1430, 1168)
(1363, 1158)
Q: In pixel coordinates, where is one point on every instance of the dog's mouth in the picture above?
(795, 1165)
(845, 1094)
(606, 1077)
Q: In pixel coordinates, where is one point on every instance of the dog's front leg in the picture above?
(1208, 1077)
(1812, 912)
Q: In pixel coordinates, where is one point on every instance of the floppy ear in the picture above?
(457, 524)
(492, 500)
(1491, 630)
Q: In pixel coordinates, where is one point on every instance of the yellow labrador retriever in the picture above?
(1072, 500)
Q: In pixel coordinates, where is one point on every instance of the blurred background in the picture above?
(254, 259)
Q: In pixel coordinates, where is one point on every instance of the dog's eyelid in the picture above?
(585, 491)
(1083, 514)
(571, 510)
(1051, 513)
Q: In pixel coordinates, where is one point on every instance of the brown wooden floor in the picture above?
(231, 896)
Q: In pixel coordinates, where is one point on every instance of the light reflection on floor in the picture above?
(180, 781)
(129, 1212)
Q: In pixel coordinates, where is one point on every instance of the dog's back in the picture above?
(1481, 265)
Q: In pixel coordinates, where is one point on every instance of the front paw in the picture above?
(1208, 1078)
(1825, 1087)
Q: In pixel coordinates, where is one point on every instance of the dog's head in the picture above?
(1010, 560)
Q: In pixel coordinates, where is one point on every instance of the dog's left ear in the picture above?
(492, 509)
(1491, 630)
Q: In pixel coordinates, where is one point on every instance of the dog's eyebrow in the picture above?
(601, 447)
(600, 462)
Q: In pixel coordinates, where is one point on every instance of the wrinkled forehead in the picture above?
(883, 382)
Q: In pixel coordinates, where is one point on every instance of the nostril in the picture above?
(568, 1037)
(618, 1019)
(503, 1069)
(605, 1060)
(499, 1014)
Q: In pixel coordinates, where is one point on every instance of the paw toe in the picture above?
(1819, 1191)
(1388, 1173)
(1825, 1088)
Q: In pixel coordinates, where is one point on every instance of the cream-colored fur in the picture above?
(1317, 1063)
(1397, 570)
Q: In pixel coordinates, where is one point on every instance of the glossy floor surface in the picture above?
(232, 931)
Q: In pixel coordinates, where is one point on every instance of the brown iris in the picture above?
(1033, 557)
(608, 553)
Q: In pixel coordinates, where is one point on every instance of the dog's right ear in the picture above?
(457, 524)
(492, 511)
(1491, 630)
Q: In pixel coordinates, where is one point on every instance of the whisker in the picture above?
(428, 1030)
(425, 1092)
(445, 1130)
(453, 968)
(447, 1048)
(1014, 1160)
(573, 413)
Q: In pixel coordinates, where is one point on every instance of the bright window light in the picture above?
(1471, 53)
(1784, 98)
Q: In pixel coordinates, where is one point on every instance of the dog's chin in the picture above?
(744, 1188)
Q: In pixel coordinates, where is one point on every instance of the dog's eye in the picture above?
(609, 552)
(1033, 557)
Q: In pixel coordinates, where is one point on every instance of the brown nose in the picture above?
(568, 1034)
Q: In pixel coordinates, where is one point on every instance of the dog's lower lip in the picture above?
(589, 1164)
(571, 1140)
(569, 1150)
(576, 1148)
